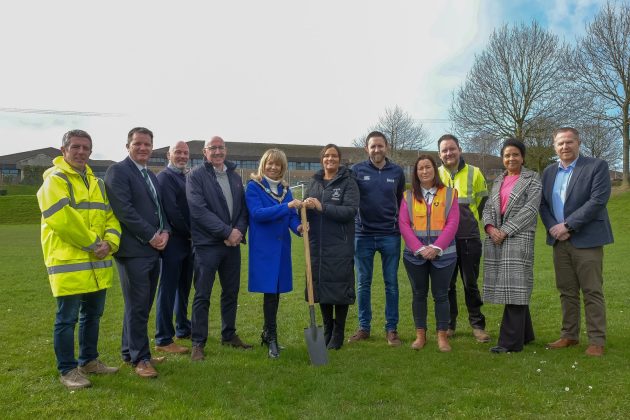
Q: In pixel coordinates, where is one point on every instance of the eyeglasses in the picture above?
(213, 148)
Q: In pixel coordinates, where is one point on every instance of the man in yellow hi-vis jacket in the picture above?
(79, 234)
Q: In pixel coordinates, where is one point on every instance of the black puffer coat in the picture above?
(331, 237)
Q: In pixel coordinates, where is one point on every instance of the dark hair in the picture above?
(513, 142)
(65, 141)
(140, 130)
(563, 129)
(375, 134)
(329, 146)
(448, 137)
(415, 180)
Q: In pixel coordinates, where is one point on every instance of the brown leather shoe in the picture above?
(197, 354)
(481, 335)
(154, 360)
(562, 343)
(236, 342)
(145, 369)
(98, 367)
(593, 350)
(172, 348)
(359, 335)
(393, 339)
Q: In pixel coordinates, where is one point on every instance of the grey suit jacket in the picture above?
(585, 204)
(133, 205)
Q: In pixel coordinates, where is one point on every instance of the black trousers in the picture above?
(138, 282)
(516, 327)
(226, 260)
(468, 257)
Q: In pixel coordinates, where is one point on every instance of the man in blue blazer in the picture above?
(573, 210)
(135, 198)
(177, 257)
(218, 220)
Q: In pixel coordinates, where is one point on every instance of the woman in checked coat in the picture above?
(510, 218)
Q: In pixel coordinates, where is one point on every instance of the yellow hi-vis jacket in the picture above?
(75, 219)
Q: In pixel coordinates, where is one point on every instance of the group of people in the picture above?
(164, 231)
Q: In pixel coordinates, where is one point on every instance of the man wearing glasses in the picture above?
(218, 222)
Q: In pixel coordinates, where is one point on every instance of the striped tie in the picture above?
(153, 194)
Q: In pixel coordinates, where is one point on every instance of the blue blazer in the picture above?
(585, 204)
(270, 269)
(133, 205)
(173, 190)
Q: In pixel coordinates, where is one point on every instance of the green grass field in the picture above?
(367, 379)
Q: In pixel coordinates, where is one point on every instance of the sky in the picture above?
(275, 71)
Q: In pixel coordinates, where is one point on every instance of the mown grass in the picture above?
(366, 379)
(19, 209)
(19, 189)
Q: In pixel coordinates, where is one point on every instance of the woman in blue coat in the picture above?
(272, 212)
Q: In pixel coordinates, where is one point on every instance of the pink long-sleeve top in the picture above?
(443, 241)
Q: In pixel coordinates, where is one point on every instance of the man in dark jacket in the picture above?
(381, 186)
(177, 257)
(218, 219)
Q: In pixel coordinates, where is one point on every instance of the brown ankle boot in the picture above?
(443, 341)
(421, 339)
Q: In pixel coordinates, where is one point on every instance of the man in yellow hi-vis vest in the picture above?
(472, 195)
(79, 234)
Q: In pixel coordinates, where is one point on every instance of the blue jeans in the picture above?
(87, 308)
(364, 249)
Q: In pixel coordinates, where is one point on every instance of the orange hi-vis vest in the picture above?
(428, 225)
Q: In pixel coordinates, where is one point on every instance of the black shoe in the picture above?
(337, 338)
(499, 349)
(264, 340)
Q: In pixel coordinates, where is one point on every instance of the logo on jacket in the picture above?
(391, 180)
(366, 177)
(336, 194)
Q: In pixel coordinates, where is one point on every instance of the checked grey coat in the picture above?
(508, 276)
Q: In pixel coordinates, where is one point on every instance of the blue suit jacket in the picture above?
(133, 205)
(173, 190)
(585, 204)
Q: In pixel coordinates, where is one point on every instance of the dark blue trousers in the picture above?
(87, 309)
(209, 260)
(138, 281)
(173, 292)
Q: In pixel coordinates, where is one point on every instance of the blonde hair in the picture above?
(273, 155)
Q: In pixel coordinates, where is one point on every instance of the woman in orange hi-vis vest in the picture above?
(429, 216)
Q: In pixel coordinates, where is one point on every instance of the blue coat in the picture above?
(270, 268)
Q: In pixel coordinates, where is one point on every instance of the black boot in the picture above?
(339, 326)
(274, 351)
(328, 321)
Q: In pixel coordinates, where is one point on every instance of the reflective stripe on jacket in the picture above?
(75, 219)
(428, 225)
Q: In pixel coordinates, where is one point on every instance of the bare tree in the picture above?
(601, 139)
(402, 131)
(602, 67)
(515, 82)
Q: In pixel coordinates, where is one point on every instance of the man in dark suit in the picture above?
(177, 257)
(573, 209)
(135, 199)
(218, 219)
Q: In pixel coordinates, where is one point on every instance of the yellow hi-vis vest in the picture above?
(428, 225)
(75, 219)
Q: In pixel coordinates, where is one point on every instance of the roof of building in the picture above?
(16, 157)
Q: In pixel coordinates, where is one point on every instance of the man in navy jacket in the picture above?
(218, 217)
(136, 200)
(573, 210)
(177, 257)
(381, 186)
